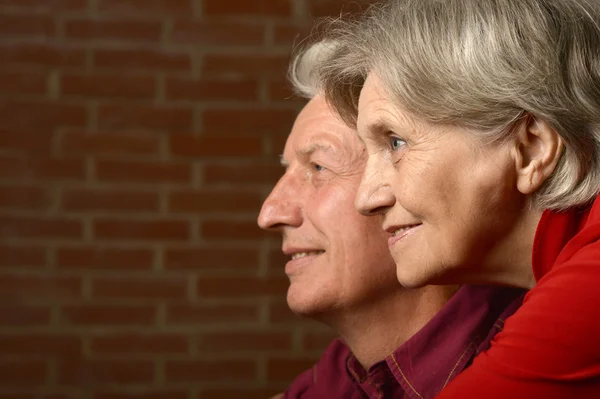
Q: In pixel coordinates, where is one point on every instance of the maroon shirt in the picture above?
(424, 364)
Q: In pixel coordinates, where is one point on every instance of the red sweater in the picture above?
(550, 348)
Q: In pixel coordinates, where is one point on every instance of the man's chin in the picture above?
(306, 304)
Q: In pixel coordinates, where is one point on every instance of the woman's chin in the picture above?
(411, 278)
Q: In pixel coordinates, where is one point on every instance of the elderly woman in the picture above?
(481, 119)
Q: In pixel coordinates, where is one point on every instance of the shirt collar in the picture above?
(377, 382)
(425, 363)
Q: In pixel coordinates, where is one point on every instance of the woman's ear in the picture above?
(538, 149)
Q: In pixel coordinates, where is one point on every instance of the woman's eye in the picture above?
(396, 143)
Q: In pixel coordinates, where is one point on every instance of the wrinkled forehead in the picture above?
(318, 129)
(377, 111)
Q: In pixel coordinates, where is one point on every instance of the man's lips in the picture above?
(300, 258)
(296, 252)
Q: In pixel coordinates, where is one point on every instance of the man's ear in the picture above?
(538, 149)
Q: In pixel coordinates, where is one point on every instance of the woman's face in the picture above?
(449, 201)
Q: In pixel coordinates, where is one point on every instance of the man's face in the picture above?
(338, 257)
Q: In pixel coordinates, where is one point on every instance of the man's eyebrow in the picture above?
(307, 151)
(283, 162)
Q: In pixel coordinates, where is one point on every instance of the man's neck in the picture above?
(375, 330)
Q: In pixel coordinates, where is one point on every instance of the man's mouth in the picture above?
(299, 255)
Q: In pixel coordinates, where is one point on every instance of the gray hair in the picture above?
(482, 64)
(303, 69)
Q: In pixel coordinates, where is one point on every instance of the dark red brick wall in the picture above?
(137, 141)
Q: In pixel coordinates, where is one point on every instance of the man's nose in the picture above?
(282, 207)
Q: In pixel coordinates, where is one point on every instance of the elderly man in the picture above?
(394, 342)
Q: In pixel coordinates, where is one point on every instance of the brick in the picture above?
(151, 230)
(263, 66)
(288, 34)
(215, 200)
(185, 88)
(25, 141)
(321, 8)
(222, 313)
(140, 7)
(250, 121)
(101, 372)
(139, 288)
(238, 287)
(279, 312)
(215, 146)
(31, 227)
(128, 30)
(109, 200)
(139, 59)
(278, 142)
(45, 287)
(112, 258)
(23, 168)
(277, 260)
(23, 82)
(242, 173)
(210, 259)
(50, 5)
(23, 344)
(231, 230)
(236, 393)
(109, 315)
(286, 369)
(24, 315)
(198, 371)
(244, 341)
(22, 256)
(143, 172)
(163, 118)
(99, 85)
(143, 394)
(139, 344)
(16, 114)
(41, 54)
(247, 8)
(107, 143)
(23, 372)
(24, 197)
(29, 393)
(32, 25)
(212, 33)
(317, 341)
(279, 90)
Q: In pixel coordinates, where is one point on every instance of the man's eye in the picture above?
(318, 167)
(396, 143)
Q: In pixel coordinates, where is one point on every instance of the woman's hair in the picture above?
(481, 65)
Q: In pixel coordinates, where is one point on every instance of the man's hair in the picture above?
(303, 69)
(481, 65)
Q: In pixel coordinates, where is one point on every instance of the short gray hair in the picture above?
(482, 64)
(303, 69)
